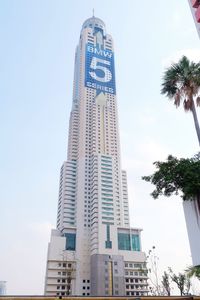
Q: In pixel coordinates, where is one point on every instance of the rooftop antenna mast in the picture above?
(93, 12)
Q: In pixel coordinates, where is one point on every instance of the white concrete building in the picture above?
(192, 218)
(195, 9)
(2, 288)
(94, 251)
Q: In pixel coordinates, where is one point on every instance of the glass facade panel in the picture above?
(124, 242)
(135, 242)
(70, 241)
(108, 244)
(108, 241)
(129, 242)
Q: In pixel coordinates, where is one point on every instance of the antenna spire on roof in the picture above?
(93, 12)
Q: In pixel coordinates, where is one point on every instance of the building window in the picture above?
(108, 244)
(108, 241)
(124, 241)
(135, 242)
(70, 241)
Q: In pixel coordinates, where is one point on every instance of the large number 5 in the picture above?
(96, 66)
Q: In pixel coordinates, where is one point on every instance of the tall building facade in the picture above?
(195, 9)
(94, 251)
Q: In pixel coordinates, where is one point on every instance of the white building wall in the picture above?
(125, 199)
(192, 218)
(2, 288)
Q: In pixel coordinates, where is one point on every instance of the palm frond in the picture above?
(187, 105)
(180, 80)
(177, 99)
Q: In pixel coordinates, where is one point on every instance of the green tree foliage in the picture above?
(181, 82)
(193, 271)
(176, 175)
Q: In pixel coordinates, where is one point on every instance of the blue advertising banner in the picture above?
(99, 69)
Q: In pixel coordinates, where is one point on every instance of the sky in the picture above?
(37, 46)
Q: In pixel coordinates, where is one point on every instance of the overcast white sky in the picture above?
(38, 40)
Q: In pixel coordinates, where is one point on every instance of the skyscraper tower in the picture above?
(94, 251)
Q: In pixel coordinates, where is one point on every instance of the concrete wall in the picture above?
(192, 218)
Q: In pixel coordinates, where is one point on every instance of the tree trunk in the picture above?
(196, 122)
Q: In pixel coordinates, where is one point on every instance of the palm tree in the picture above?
(181, 82)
